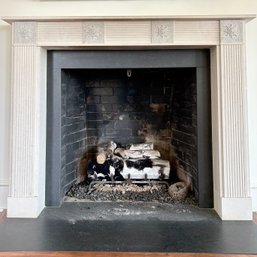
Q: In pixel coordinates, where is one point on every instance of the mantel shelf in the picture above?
(11, 19)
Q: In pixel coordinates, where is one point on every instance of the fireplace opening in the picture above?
(148, 114)
(145, 114)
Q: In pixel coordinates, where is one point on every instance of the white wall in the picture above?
(128, 8)
(5, 60)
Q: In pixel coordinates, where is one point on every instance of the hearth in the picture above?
(129, 108)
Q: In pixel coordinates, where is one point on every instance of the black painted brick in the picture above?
(121, 124)
(94, 116)
(93, 132)
(111, 83)
(95, 124)
(68, 178)
(184, 137)
(108, 116)
(99, 107)
(72, 128)
(72, 167)
(160, 99)
(92, 83)
(110, 99)
(157, 90)
(76, 119)
(75, 137)
(117, 107)
(125, 132)
(119, 91)
(93, 99)
(99, 91)
(92, 141)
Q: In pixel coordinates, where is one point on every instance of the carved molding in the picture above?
(162, 32)
(93, 32)
(25, 33)
(231, 31)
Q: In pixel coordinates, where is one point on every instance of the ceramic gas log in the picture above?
(134, 162)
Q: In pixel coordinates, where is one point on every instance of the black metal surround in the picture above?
(59, 60)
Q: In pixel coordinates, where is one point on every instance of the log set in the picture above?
(139, 161)
(114, 171)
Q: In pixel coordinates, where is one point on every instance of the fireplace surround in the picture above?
(223, 35)
(165, 99)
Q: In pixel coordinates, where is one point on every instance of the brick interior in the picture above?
(153, 105)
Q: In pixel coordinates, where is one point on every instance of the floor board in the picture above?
(114, 254)
(2, 216)
(255, 217)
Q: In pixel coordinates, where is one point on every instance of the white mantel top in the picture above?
(247, 17)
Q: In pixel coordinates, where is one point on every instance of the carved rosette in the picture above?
(231, 31)
(93, 32)
(25, 33)
(162, 32)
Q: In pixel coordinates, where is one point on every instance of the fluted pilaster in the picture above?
(234, 110)
(28, 116)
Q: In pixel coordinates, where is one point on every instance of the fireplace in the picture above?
(222, 35)
(153, 96)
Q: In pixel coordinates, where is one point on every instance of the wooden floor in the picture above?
(114, 254)
(2, 216)
(255, 217)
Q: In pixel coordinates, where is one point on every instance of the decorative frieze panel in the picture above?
(127, 32)
(162, 32)
(59, 33)
(196, 32)
(231, 31)
(25, 33)
(93, 32)
(136, 32)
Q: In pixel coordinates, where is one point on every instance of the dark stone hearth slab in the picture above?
(126, 227)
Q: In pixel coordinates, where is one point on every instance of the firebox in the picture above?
(159, 97)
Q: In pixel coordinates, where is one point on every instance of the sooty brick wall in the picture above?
(129, 109)
(153, 105)
(73, 127)
(184, 124)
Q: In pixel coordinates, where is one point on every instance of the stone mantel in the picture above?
(126, 31)
(246, 17)
(224, 35)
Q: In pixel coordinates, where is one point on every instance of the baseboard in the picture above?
(4, 188)
(254, 198)
(255, 217)
(4, 182)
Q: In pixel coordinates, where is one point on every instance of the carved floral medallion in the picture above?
(231, 31)
(93, 32)
(162, 32)
(25, 33)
